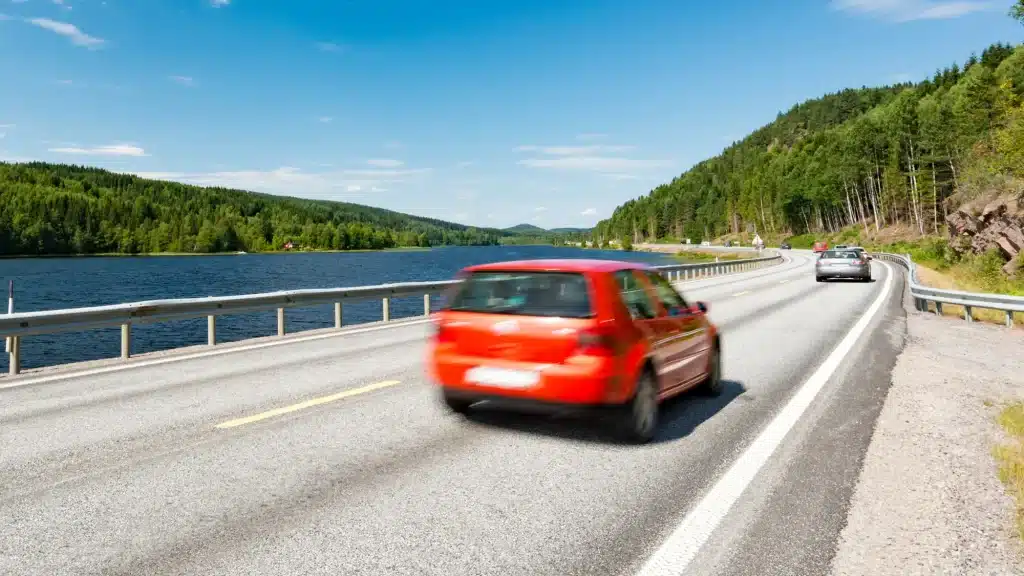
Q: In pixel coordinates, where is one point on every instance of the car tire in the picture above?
(819, 278)
(455, 404)
(712, 385)
(638, 418)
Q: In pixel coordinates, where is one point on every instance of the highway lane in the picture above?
(126, 472)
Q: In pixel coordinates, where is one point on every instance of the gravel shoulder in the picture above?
(929, 500)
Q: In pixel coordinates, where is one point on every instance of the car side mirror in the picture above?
(703, 307)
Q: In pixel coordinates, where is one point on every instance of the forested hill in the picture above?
(61, 209)
(869, 156)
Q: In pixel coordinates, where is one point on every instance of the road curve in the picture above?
(127, 472)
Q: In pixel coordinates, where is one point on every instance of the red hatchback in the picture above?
(580, 333)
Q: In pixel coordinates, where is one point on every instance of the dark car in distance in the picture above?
(785, 246)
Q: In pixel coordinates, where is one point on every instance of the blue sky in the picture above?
(486, 112)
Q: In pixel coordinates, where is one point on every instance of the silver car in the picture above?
(842, 264)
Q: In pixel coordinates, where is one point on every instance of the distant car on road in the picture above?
(820, 247)
(613, 336)
(785, 246)
(838, 263)
(840, 247)
(863, 252)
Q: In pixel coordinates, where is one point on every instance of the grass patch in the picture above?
(1010, 458)
(698, 256)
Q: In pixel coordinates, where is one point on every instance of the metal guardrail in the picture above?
(18, 325)
(923, 295)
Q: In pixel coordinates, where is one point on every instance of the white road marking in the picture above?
(678, 551)
(204, 354)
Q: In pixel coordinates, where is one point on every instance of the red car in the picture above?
(582, 333)
(820, 247)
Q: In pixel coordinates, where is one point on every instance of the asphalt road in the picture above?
(127, 472)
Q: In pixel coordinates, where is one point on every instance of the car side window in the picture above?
(634, 295)
(668, 295)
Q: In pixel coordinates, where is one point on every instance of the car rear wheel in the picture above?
(712, 385)
(819, 278)
(456, 405)
(638, 419)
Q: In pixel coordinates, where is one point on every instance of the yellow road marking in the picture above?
(742, 293)
(306, 404)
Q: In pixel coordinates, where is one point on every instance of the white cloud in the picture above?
(65, 82)
(461, 217)
(464, 164)
(108, 150)
(219, 3)
(616, 176)
(354, 188)
(594, 158)
(589, 212)
(6, 126)
(330, 47)
(593, 164)
(69, 31)
(325, 119)
(574, 150)
(908, 10)
(394, 145)
(385, 162)
(183, 80)
(540, 209)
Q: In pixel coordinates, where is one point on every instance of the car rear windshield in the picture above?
(558, 294)
(849, 254)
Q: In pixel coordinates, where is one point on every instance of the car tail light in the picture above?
(597, 342)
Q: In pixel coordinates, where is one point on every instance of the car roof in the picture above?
(558, 265)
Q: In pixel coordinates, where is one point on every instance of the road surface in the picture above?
(185, 468)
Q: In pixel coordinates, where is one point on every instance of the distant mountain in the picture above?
(530, 229)
(67, 209)
(525, 229)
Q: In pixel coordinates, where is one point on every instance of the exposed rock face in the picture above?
(1000, 224)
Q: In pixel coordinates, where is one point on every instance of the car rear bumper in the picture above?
(844, 272)
(580, 382)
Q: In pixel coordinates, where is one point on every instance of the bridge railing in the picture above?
(18, 325)
(923, 295)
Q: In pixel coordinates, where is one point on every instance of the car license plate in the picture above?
(502, 377)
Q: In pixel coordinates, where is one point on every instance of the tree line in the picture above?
(65, 209)
(870, 157)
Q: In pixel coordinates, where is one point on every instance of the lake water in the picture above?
(53, 283)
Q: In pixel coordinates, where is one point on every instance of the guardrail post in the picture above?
(386, 308)
(337, 315)
(426, 304)
(15, 357)
(938, 308)
(1009, 318)
(211, 330)
(280, 321)
(10, 310)
(968, 315)
(126, 340)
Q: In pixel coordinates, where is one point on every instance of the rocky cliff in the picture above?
(996, 224)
